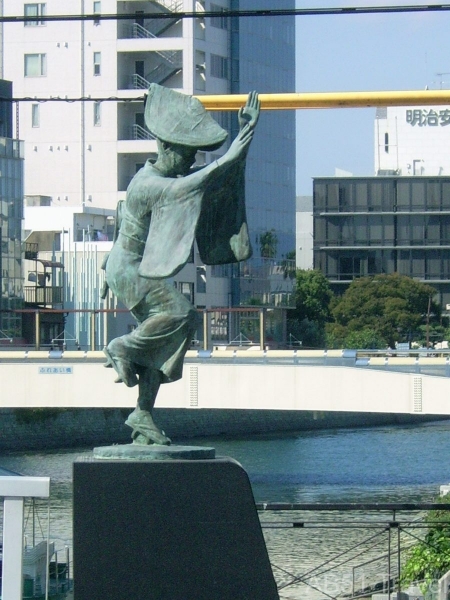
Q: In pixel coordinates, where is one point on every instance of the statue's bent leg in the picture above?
(145, 431)
(149, 382)
(153, 354)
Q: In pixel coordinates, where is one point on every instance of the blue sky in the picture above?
(404, 51)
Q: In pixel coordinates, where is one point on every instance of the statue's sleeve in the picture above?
(222, 232)
(171, 234)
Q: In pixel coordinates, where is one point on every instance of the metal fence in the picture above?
(337, 551)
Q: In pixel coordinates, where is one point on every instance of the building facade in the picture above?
(371, 225)
(262, 53)
(399, 220)
(11, 211)
(412, 140)
(11, 214)
(85, 152)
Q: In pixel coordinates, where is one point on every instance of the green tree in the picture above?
(268, 244)
(312, 307)
(392, 306)
(366, 338)
(312, 296)
(428, 560)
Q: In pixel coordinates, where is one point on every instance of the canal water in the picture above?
(380, 464)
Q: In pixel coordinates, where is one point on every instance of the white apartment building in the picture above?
(86, 152)
(412, 140)
(83, 152)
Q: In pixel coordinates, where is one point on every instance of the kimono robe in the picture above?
(158, 222)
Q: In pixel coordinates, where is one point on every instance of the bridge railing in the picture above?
(351, 551)
(239, 327)
(418, 364)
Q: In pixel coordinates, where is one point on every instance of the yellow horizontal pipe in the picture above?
(329, 100)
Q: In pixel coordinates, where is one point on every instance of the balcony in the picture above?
(43, 295)
(140, 133)
(143, 28)
(151, 28)
(170, 63)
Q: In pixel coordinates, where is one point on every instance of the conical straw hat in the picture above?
(181, 119)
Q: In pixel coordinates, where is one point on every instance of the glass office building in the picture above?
(262, 53)
(11, 214)
(371, 225)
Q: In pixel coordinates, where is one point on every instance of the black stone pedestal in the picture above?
(167, 530)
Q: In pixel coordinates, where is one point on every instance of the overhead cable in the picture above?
(298, 12)
(72, 100)
(285, 101)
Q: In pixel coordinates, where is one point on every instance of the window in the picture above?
(187, 289)
(345, 197)
(219, 66)
(200, 21)
(433, 229)
(97, 114)
(349, 267)
(96, 9)
(35, 121)
(220, 21)
(35, 65)
(445, 195)
(433, 197)
(418, 195)
(360, 196)
(403, 195)
(200, 78)
(97, 63)
(34, 10)
(201, 280)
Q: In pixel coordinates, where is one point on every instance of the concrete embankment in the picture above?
(47, 428)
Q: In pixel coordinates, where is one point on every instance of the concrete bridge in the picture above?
(289, 380)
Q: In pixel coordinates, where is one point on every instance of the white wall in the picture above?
(234, 386)
(418, 140)
(56, 152)
(304, 227)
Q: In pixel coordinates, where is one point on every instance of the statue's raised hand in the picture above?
(249, 114)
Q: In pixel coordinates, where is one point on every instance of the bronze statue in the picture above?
(167, 205)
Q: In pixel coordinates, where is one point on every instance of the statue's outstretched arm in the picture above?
(237, 152)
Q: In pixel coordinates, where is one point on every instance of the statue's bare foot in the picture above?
(124, 368)
(145, 431)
